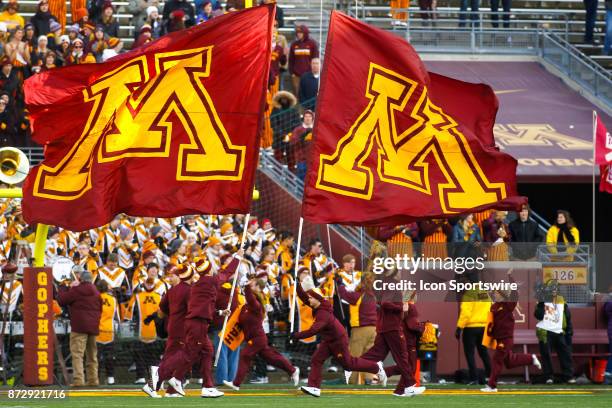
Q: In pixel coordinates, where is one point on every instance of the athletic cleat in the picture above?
(382, 376)
(295, 377)
(488, 389)
(332, 369)
(176, 384)
(413, 390)
(154, 377)
(140, 381)
(536, 362)
(549, 381)
(211, 393)
(173, 395)
(315, 392)
(259, 380)
(347, 376)
(231, 385)
(571, 381)
(150, 391)
(403, 395)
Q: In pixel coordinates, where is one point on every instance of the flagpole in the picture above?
(594, 273)
(231, 297)
(295, 283)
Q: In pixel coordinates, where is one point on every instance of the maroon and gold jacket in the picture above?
(174, 305)
(413, 329)
(251, 316)
(203, 295)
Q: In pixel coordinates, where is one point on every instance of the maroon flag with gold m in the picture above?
(393, 144)
(168, 129)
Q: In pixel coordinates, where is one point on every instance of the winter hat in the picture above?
(151, 10)
(79, 14)
(177, 15)
(202, 265)
(54, 26)
(40, 37)
(225, 228)
(113, 42)
(77, 40)
(148, 254)
(28, 26)
(73, 28)
(213, 240)
(89, 25)
(146, 28)
(9, 268)
(183, 271)
(108, 4)
(64, 38)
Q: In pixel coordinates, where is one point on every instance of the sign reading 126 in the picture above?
(130, 118)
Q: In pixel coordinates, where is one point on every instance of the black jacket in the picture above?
(173, 5)
(524, 237)
(41, 22)
(309, 88)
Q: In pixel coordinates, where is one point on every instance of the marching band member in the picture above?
(106, 337)
(143, 303)
(140, 273)
(284, 252)
(86, 257)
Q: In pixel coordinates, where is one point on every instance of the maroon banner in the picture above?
(38, 326)
(395, 143)
(168, 129)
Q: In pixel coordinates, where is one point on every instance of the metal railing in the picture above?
(280, 174)
(558, 52)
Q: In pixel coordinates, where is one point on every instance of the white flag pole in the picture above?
(295, 283)
(231, 298)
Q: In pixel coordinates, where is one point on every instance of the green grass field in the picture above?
(334, 396)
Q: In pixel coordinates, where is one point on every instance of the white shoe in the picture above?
(488, 389)
(200, 381)
(550, 381)
(315, 392)
(270, 368)
(403, 395)
(173, 395)
(414, 390)
(154, 376)
(332, 369)
(150, 391)
(211, 393)
(536, 362)
(176, 384)
(295, 377)
(110, 380)
(382, 376)
(231, 385)
(260, 380)
(140, 381)
(347, 376)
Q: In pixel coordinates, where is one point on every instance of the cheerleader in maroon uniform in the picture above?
(251, 320)
(200, 311)
(334, 341)
(174, 306)
(502, 330)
